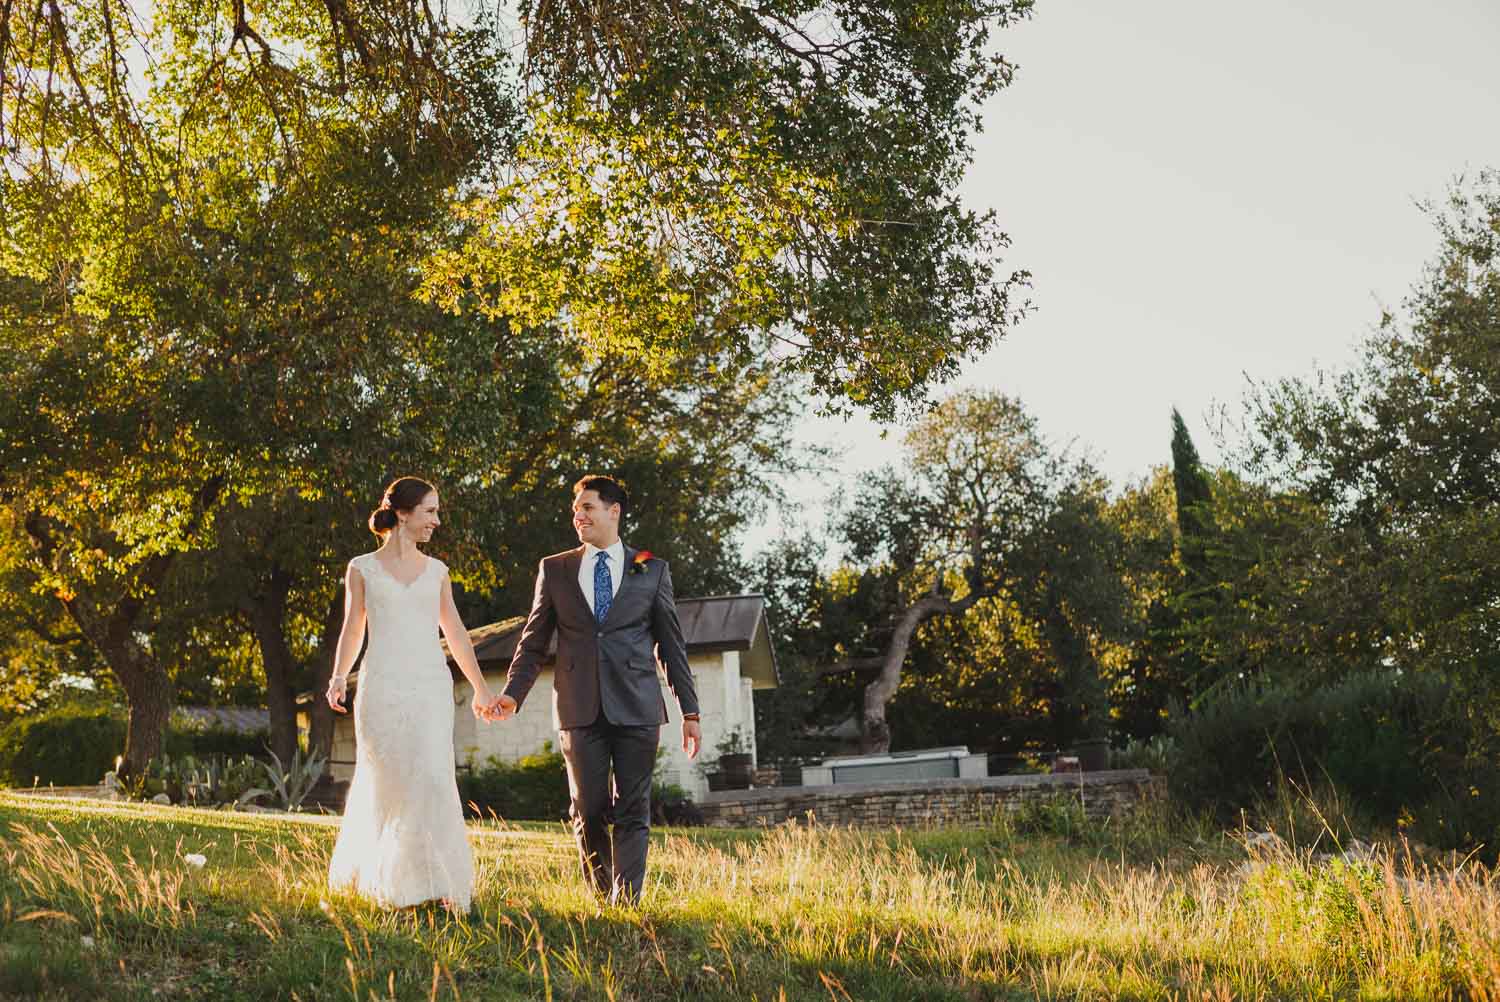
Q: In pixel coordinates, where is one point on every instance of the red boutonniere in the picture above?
(638, 562)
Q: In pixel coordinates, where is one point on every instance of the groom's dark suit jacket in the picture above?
(609, 667)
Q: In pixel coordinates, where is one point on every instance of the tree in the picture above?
(773, 180)
(1068, 579)
(702, 178)
(789, 717)
(43, 656)
(175, 189)
(1147, 677)
(1030, 667)
(1194, 505)
(1390, 471)
(940, 535)
(166, 277)
(1015, 648)
(1178, 639)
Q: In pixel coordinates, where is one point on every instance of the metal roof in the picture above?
(709, 625)
(240, 719)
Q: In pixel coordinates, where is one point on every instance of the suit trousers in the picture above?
(613, 866)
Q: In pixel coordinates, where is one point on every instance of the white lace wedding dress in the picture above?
(403, 841)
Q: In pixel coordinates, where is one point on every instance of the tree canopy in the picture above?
(679, 180)
(225, 356)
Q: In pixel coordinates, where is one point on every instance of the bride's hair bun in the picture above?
(404, 494)
(382, 521)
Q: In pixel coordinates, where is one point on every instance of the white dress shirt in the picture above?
(616, 561)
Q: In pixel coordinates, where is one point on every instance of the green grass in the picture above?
(97, 903)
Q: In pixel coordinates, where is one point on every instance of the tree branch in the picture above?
(852, 665)
(49, 635)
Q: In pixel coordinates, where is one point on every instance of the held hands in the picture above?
(491, 708)
(483, 705)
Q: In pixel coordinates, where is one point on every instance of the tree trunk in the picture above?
(149, 695)
(114, 634)
(147, 686)
(268, 619)
(875, 732)
(320, 714)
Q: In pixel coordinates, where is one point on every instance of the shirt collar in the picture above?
(616, 551)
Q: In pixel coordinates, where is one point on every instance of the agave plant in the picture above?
(218, 779)
(289, 784)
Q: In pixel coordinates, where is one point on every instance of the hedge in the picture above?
(76, 746)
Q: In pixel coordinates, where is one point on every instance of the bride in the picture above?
(402, 840)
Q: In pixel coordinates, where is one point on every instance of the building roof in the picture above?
(241, 719)
(709, 625)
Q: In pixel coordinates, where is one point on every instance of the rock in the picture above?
(1264, 842)
(161, 798)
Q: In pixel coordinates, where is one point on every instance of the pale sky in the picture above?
(1207, 192)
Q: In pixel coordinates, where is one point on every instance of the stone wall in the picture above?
(932, 801)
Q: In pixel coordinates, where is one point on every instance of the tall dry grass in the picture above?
(798, 912)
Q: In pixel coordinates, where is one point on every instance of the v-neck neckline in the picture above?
(426, 563)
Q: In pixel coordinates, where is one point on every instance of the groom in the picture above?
(612, 610)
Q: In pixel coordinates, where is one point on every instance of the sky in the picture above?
(1206, 193)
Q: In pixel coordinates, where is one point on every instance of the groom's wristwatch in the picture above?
(689, 716)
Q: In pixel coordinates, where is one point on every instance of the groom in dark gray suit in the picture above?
(614, 615)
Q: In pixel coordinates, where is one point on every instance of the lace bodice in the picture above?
(402, 618)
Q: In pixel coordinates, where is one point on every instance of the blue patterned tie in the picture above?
(604, 592)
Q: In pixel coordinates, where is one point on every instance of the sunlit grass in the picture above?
(97, 901)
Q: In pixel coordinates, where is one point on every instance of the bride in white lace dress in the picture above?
(403, 840)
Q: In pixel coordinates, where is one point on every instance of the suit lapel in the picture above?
(627, 559)
(571, 563)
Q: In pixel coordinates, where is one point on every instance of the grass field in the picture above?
(97, 902)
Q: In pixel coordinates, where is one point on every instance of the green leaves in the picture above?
(768, 183)
(1365, 528)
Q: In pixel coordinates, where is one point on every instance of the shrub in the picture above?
(1462, 812)
(206, 782)
(1384, 745)
(204, 741)
(1061, 815)
(1155, 753)
(69, 746)
(76, 746)
(1377, 737)
(533, 788)
(671, 804)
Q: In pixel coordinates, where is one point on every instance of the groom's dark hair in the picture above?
(610, 491)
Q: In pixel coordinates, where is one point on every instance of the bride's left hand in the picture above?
(336, 693)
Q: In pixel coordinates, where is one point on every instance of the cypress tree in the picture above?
(1194, 499)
